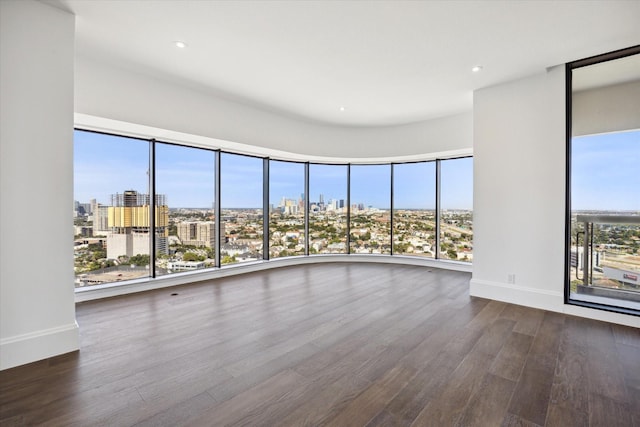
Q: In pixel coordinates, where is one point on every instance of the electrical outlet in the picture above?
(511, 279)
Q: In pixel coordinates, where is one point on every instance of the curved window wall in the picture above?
(146, 208)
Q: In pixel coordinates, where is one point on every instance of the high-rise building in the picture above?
(100, 218)
(129, 226)
(199, 233)
(82, 209)
(133, 198)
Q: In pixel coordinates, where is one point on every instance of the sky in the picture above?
(106, 164)
(605, 172)
(286, 179)
(605, 176)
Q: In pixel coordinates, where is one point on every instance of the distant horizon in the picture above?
(246, 208)
(109, 164)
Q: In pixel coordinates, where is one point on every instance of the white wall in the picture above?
(107, 92)
(37, 311)
(606, 109)
(519, 195)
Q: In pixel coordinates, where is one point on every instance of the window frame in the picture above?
(569, 68)
(152, 276)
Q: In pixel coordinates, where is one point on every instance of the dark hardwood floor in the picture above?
(330, 344)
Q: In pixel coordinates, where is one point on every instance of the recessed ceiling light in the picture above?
(342, 108)
(477, 68)
(180, 44)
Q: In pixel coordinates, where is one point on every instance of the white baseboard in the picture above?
(89, 293)
(544, 300)
(26, 348)
(521, 295)
(605, 316)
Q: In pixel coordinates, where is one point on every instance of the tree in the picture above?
(190, 256)
(140, 260)
(452, 254)
(228, 259)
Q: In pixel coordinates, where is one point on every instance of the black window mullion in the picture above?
(266, 215)
(152, 208)
(349, 208)
(217, 212)
(306, 208)
(391, 213)
(437, 254)
(568, 151)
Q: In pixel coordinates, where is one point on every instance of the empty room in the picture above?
(306, 213)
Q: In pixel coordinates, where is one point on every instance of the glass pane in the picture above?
(286, 209)
(414, 210)
(327, 209)
(370, 209)
(185, 179)
(456, 209)
(111, 212)
(605, 199)
(241, 191)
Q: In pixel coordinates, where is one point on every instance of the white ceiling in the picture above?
(385, 62)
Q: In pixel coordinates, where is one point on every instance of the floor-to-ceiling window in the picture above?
(456, 209)
(286, 209)
(328, 209)
(148, 208)
(185, 185)
(241, 190)
(603, 206)
(370, 214)
(111, 211)
(414, 209)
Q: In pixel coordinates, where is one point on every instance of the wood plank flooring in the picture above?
(340, 344)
